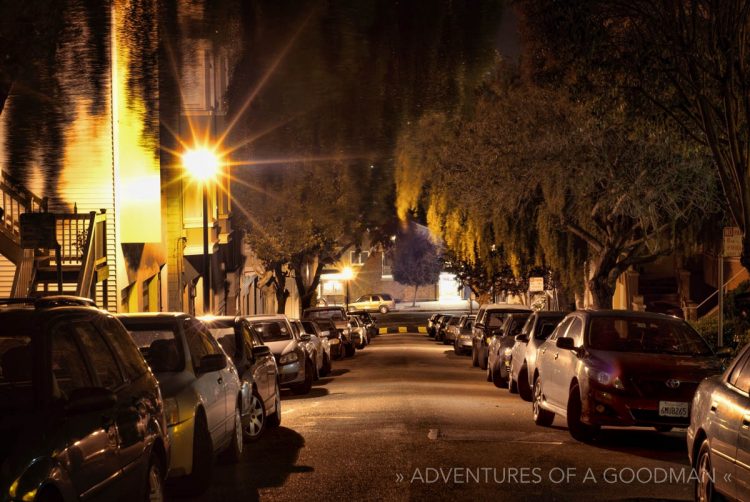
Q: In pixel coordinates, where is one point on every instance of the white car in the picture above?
(313, 345)
(380, 302)
(201, 390)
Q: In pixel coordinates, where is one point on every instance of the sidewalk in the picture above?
(437, 305)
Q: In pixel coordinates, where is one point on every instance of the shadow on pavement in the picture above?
(266, 463)
(645, 443)
(338, 372)
(314, 393)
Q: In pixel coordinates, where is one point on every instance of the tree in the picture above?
(416, 260)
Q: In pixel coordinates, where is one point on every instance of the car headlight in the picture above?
(605, 378)
(171, 411)
(508, 351)
(288, 358)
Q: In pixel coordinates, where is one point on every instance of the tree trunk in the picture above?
(414, 302)
(602, 277)
(280, 288)
(601, 292)
(306, 291)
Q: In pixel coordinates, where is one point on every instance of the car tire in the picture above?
(483, 361)
(340, 352)
(523, 384)
(579, 430)
(455, 349)
(704, 486)
(474, 357)
(233, 453)
(498, 380)
(154, 486)
(512, 386)
(350, 350)
(383, 309)
(326, 370)
(541, 416)
(256, 421)
(274, 419)
(306, 385)
(316, 372)
(203, 457)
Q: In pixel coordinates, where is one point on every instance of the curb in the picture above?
(409, 328)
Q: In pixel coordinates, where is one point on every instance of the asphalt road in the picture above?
(406, 419)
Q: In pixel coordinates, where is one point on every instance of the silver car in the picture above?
(537, 329)
(326, 342)
(718, 437)
(500, 346)
(462, 343)
(312, 344)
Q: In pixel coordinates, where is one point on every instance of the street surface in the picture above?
(406, 419)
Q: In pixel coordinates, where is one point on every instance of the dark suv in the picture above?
(80, 411)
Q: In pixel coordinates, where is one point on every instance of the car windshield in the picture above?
(335, 315)
(271, 331)
(647, 335)
(16, 382)
(545, 327)
(224, 333)
(159, 345)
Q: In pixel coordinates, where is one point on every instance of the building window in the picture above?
(358, 258)
(387, 265)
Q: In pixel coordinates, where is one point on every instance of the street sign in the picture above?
(732, 242)
(536, 284)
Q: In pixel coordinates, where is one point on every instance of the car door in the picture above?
(210, 385)
(728, 431)
(269, 365)
(92, 459)
(256, 367)
(546, 362)
(229, 376)
(564, 364)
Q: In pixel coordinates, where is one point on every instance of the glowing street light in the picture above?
(347, 274)
(203, 165)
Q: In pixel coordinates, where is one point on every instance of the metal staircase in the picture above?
(65, 254)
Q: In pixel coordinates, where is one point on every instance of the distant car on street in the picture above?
(490, 319)
(201, 389)
(369, 322)
(450, 331)
(338, 316)
(620, 368)
(462, 344)
(328, 330)
(537, 329)
(359, 332)
(316, 349)
(500, 348)
(312, 329)
(257, 369)
(431, 324)
(379, 302)
(65, 365)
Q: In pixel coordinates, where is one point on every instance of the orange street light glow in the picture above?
(201, 163)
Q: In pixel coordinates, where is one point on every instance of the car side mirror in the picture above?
(212, 362)
(565, 343)
(261, 351)
(90, 399)
(522, 338)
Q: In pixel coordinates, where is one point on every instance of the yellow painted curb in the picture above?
(382, 331)
(402, 329)
(422, 329)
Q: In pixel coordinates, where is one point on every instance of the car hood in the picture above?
(282, 347)
(656, 366)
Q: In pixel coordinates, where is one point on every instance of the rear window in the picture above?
(223, 332)
(159, 344)
(334, 314)
(271, 331)
(653, 336)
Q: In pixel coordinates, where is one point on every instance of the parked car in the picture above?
(201, 389)
(490, 318)
(718, 438)
(296, 370)
(431, 325)
(451, 329)
(359, 332)
(500, 347)
(328, 330)
(523, 354)
(370, 324)
(63, 366)
(338, 316)
(620, 368)
(380, 302)
(445, 319)
(257, 369)
(326, 341)
(313, 345)
(462, 344)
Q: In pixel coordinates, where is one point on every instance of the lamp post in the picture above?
(203, 165)
(347, 275)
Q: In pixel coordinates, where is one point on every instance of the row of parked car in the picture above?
(98, 406)
(618, 368)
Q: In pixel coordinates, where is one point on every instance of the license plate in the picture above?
(673, 409)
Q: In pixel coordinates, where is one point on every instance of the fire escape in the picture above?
(53, 253)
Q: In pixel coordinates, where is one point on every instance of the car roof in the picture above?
(151, 315)
(329, 307)
(626, 313)
(266, 317)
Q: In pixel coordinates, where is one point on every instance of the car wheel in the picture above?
(203, 457)
(482, 361)
(274, 420)
(455, 349)
(541, 416)
(326, 365)
(513, 386)
(304, 387)
(255, 422)
(154, 489)
(383, 309)
(663, 428)
(233, 453)
(340, 352)
(580, 431)
(350, 350)
(316, 372)
(704, 486)
(523, 384)
(497, 379)
(474, 358)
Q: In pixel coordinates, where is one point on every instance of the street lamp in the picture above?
(347, 275)
(203, 165)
